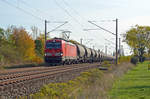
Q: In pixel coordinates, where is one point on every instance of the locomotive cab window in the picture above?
(53, 45)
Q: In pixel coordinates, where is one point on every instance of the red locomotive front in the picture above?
(59, 51)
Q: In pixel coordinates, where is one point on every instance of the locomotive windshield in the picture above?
(53, 45)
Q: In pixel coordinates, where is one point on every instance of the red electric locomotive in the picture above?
(60, 51)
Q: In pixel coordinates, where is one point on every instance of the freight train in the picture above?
(61, 51)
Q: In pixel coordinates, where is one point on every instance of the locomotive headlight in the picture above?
(61, 54)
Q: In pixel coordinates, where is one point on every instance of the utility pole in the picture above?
(116, 34)
(106, 50)
(81, 40)
(93, 46)
(116, 41)
(63, 23)
(45, 31)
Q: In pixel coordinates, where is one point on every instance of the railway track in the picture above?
(15, 77)
(22, 72)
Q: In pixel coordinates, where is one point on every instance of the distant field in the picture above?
(134, 85)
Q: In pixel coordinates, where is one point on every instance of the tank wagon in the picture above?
(60, 51)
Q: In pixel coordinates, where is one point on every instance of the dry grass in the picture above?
(99, 89)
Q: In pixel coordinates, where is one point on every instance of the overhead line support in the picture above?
(116, 41)
(116, 34)
(101, 28)
(45, 31)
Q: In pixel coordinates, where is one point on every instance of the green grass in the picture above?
(134, 85)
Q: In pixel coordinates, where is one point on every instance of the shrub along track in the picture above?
(25, 81)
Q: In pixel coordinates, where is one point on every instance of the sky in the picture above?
(77, 13)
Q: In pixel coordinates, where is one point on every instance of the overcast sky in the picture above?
(29, 13)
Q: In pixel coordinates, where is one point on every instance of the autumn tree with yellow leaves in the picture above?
(24, 44)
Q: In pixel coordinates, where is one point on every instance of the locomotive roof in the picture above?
(68, 41)
(58, 39)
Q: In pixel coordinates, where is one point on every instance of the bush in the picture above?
(124, 59)
(70, 88)
(37, 59)
(134, 60)
(106, 64)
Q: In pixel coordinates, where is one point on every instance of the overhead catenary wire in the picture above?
(40, 18)
(25, 3)
(19, 8)
(92, 22)
(99, 36)
(64, 1)
(70, 6)
(104, 21)
(35, 9)
(58, 27)
(38, 10)
(109, 41)
(75, 11)
(68, 13)
(101, 27)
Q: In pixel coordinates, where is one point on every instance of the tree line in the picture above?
(18, 46)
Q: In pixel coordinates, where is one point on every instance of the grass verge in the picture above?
(134, 85)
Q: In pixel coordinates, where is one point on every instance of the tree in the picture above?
(1, 43)
(138, 39)
(2, 37)
(38, 47)
(24, 44)
(40, 44)
(17, 46)
(8, 53)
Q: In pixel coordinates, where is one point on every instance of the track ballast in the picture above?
(23, 82)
